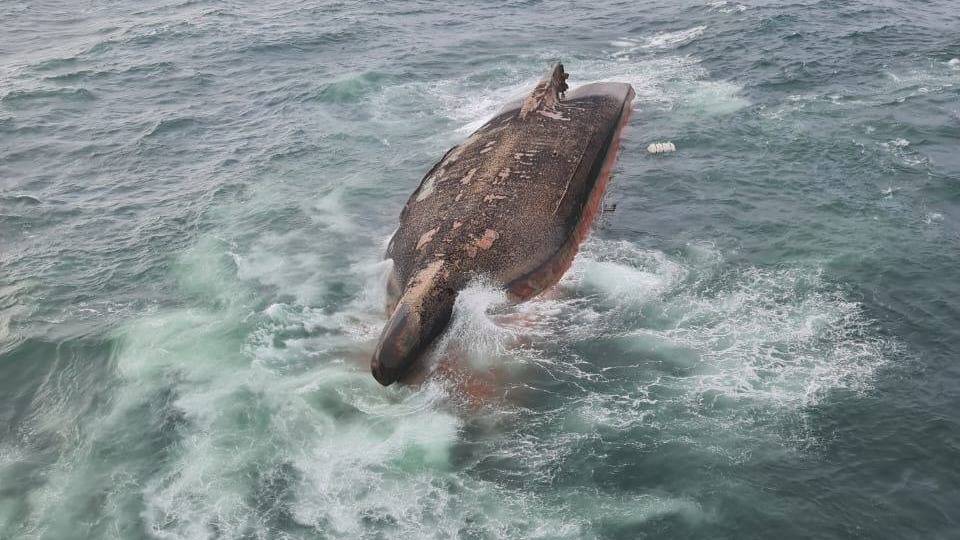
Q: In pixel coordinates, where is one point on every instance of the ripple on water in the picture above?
(25, 98)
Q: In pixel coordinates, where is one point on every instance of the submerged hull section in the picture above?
(512, 202)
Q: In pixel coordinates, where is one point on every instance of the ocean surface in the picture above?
(759, 340)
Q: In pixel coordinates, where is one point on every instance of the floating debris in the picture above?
(661, 148)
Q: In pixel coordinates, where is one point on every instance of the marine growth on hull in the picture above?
(511, 204)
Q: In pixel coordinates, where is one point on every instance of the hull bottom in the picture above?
(550, 273)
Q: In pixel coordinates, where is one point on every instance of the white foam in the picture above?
(624, 273)
(348, 454)
(339, 462)
(724, 6)
(674, 82)
(459, 99)
(715, 97)
(901, 151)
(344, 470)
(636, 509)
(777, 337)
(273, 410)
(776, 340)
(899, 143)
(909, 83)
(473, 329)
(672, 39)
(10, 455)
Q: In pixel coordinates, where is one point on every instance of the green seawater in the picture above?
(759, 339)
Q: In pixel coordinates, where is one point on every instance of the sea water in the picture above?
(759, 341)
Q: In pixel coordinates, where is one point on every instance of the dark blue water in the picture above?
(759, 341)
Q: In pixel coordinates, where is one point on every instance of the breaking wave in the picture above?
(292, 429)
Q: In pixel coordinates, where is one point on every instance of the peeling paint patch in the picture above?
(553, 115)
(427, 189)
(426, 237)
(422, 280)
(519, 156)
(489, 237)
(466, 179)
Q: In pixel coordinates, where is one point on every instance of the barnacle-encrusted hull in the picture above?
(512, 202)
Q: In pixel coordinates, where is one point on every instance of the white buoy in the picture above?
(661, 147)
